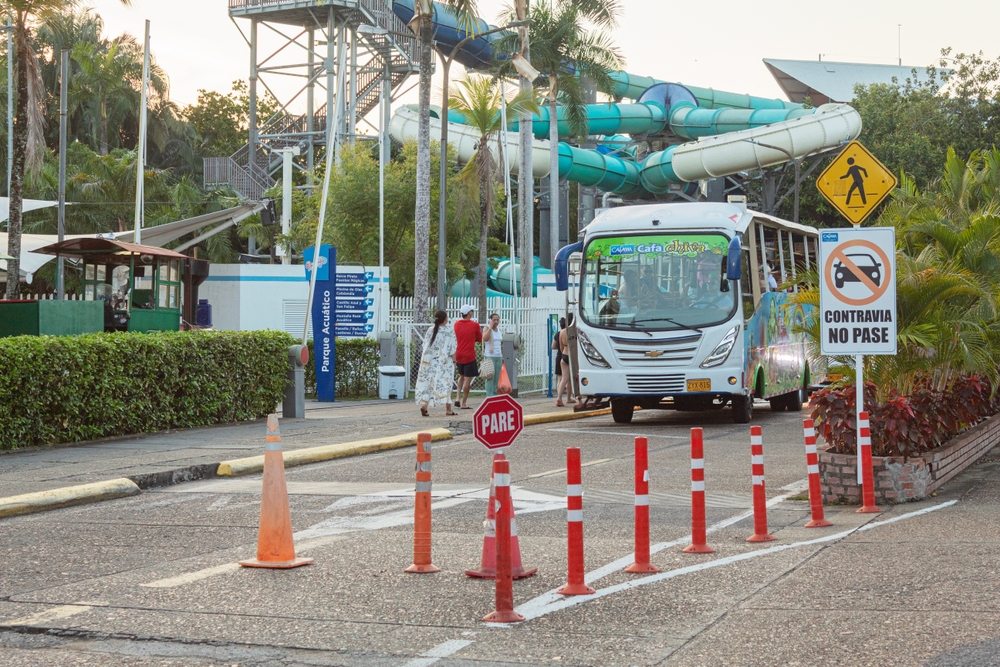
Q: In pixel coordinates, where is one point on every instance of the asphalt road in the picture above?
(153, 580)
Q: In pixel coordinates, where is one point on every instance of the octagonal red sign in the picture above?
(498, 421)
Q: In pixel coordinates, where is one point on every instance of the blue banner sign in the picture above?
(354, 330)
(356, 278)
(324, 311)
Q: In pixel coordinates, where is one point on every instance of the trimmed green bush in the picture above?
(356, 369)
(72, 388)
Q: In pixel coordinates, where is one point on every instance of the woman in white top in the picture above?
(491, 351)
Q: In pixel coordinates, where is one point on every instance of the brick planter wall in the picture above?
(898, 479)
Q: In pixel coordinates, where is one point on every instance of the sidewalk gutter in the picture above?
(297, 457)
(547, 417)
(29, 503)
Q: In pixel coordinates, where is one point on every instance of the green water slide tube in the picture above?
(590, 167)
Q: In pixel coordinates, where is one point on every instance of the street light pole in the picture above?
(442, 278)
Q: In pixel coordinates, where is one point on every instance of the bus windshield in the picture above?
(656, 282)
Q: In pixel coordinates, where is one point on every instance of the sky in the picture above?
(200, 47)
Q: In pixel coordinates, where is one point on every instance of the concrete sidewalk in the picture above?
(167, 457)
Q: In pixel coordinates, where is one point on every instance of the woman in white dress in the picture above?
(437, 366)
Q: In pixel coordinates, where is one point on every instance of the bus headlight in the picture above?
(722, 350)
(589, 351)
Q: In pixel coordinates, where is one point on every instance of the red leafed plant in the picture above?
(902, 425)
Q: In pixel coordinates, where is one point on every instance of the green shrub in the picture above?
(72, 388)
(356, 368)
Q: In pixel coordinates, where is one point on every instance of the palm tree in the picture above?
(28, 139)
(479, 99)
(422, 24)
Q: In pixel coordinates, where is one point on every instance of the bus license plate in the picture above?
(699, 385)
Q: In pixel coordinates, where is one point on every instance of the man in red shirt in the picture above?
(467, 334)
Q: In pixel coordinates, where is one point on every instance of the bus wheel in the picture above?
(622, 410)
(779, 403)
(796, 399)
(742, 409)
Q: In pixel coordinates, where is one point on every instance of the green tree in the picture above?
(479, 99)
(222, 121)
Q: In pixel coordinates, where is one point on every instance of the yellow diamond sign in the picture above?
(856, 182)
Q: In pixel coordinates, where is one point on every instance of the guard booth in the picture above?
(139, 285)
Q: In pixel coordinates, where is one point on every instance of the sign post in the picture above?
(857, 297)
(324, 308)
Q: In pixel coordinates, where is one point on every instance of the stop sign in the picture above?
(498, 420)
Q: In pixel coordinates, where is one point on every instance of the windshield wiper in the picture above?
(666, 319)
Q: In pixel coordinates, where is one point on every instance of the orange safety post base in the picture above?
(574, 518)
(275, 545)
(760, 533)
(504, 611)
(487, 564)
(422, 510)
(698, 529)
(812, 467)
(865, 460)
(641, 565)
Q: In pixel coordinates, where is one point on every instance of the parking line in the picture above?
(192, 576)
(49, 615)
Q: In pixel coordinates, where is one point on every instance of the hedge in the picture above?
(73, 388)
(356, 368)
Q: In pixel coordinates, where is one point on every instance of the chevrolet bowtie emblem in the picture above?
(654, 353)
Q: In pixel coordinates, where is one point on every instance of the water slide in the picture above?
(727, 132)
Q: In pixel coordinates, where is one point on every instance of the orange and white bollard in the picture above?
(422, 510)
(504, 612)
(812, 465)
(574, 518)
(865, 461)
(488, 561)
(698, 530)
(641, 564)
(760, 533)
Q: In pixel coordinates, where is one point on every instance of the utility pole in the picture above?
(63, 87)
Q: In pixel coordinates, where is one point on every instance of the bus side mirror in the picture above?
(561, 265)
(733, 266)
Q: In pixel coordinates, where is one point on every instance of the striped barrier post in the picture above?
(865, 460)
(574, 518)
(504, 612)
(698, 530)
(812, 465)
(641, 563)
(760, 533)
(422, 510)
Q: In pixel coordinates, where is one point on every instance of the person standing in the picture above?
(562, 364)
(467, 334)
(437, 371)
(491, 351)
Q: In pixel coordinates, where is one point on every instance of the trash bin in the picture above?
(391, 382)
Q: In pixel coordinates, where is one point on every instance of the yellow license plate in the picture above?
(699, 385)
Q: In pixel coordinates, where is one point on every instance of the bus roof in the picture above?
(682, 215)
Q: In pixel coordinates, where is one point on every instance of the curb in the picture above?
(548, 417)
(39, 501)
(297, 457)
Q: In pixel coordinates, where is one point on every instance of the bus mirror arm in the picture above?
(724, 281)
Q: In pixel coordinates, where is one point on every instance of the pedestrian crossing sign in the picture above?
(856, 182)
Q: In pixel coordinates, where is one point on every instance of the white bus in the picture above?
(678, 307)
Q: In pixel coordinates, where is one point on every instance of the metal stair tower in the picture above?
(342, 51)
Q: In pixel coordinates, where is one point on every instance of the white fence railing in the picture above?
(531, 318)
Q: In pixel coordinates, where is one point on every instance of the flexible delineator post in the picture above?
(504, 612)
(760, 533)
(698, 530)
(574, 518)
(641, 563)
(812, 465)
(865, 461)
(422, 510)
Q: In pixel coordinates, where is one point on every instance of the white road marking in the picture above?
(551, 602)
(49, 615)
(191, 577)
(440, 651)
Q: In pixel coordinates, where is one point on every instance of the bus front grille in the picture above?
(656, 352)
(652, 384)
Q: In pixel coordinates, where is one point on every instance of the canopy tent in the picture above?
(102, 247)
(26, 205)
(158, 235)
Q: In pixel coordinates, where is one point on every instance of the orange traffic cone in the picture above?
(275, 547)
(488, 562)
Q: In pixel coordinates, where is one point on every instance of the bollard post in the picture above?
(760, 533)
(812, 466)
(504, 612)
(293, 404)
(698, 530)
(641, 564)
(422, 510)
(574, 519)
(509, 344)
(865, 461)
